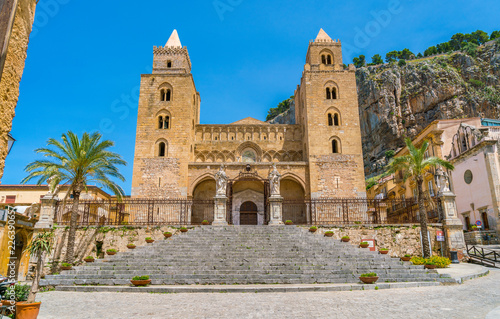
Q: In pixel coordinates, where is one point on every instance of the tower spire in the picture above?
(323, 37)
(174, 41)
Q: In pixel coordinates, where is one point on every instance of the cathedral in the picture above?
(318, 157)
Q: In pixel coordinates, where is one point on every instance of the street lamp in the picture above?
(10, 142)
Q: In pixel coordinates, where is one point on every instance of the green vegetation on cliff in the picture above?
(282, 107)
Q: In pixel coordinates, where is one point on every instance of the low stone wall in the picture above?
(399, 239)
(481, 237)
(94, 241)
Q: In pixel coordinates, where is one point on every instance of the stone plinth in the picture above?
(47, 212)
(276, 210)
(220, 202)
(452, 226)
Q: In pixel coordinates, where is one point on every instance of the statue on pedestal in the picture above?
(274, 181)
(221, 181)
(442, 181)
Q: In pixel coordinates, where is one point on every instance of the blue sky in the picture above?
(85, 57)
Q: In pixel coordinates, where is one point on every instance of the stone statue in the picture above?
(274, 181)
(221, 181)
(442, 181)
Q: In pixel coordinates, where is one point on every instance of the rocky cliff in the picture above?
(395, 101)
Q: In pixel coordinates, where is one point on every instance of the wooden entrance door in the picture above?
(248, 213)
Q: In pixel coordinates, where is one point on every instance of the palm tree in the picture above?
(415, 164)
(77, 162)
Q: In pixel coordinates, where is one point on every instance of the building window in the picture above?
(164, 122)
(330, 120)
(10, 199)
(162, 95)
(169, 64)
(168, 95)
(165, 95)
(468, 176)
(328, 94)
(484, 217)
(162, 149)
(328, 59)
(331, 93)
(323, 59)
(431, 188)
(249, 156)
(335, 146)
(334, 93)
(336, 120)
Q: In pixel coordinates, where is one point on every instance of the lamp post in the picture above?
(10, 143)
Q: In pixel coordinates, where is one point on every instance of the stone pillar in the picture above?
(47, 212)
(276, 210)
(220, 203)
(452, 225)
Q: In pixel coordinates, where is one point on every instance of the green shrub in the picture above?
(329, 232)
(313, 228)
(440, 262)
(89, 257)
(111, 251)
(183, 228)
(345, 237)
(20, 293)
(66, 265)
(370, 274)
(141, 278)
(205, 221)
(407, 255)
(417, 260)
(288, 222)
(428, 262)
(383, 249)
(167, 233)
(149, 238)
(363, 243)
(357, 222)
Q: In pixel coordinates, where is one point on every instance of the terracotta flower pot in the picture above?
(167, 235)
(89, 260)
(345, 240)
(184, 230)
(368, 280)
(312, 230)
(383, 252)
(149, 241)
(140, 282)
(363, 245)
(430, 266)
(27, 310)
(66, 268)
(130, 246)
(8, 303)
(288, 223)
(328, 234)
(205, 223)
(405, 258)
(111, 253)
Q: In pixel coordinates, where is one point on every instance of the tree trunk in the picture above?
(36, 278)
(70, 249)
(423, 219)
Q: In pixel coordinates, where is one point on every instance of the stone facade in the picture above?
(319, 156)
(13, 70)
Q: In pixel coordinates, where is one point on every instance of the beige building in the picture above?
(319, 156)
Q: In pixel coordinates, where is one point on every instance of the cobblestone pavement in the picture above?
(473, 299)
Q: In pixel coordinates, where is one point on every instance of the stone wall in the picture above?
(399, 239)
(13, 71)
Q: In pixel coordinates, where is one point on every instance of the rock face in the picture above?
(395, 102)
(287, 117)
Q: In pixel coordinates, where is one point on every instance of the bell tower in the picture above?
(327, 107)
(169, 108)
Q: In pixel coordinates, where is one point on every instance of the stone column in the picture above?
(452, 225)
(220, 203)
(276, 210)
(47, 212)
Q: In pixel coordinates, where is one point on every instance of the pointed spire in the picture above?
(323, 37)
(174, 41)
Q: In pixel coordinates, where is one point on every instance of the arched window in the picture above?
(162, 95)
(336, 119)
(329, 59)
(161, 149)
(160, 122)
(335, 146)
(166, 122)
(323, 59)
(330, 119)
(168, 95)
(334, 93)
(328, 94)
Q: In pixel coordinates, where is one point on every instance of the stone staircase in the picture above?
(244, 255)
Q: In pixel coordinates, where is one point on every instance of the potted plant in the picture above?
(140, 281)
(13, 295)
(167, 234)
(149, 240)
(430, 264)
(131, 246)
(312, 229)
(406, 257)
(368, 278)
(329, 233)
(66, 266)
(474, 227)
(363, 244)
(288, 222)
(205, 222)
(345, 239)
(383, 251)
(39, 247)
(183, 230)
(89, 259)
(111, 251)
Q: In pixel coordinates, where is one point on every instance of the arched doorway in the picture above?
(20, 242)
(248, 213)
(294, 207)
(202, 208)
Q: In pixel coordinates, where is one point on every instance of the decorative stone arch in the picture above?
(158, 148)
(250, 146)
(200, 179)
(296, 178)
(163, 119)
(220, 158)
(166, 92)
(335, 145)
(330, 116)
(200, 158)
(326, 57)
(332, 87)
(203, 191)
(267, 158)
